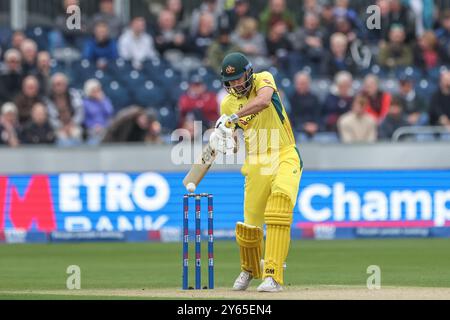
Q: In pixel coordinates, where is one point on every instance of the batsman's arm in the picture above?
(259, 103)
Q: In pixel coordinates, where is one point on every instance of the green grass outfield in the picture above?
(28, 271)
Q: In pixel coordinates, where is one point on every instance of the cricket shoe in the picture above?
(243, 281)
(269, 285)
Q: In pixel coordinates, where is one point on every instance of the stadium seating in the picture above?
(118, 94)
(148, 94)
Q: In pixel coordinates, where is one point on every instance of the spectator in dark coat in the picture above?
(29, 51)
(101, 48)
(308, 40)
(305, 107)
(167, 35)
(11, 76)
(440, 102)
(339, 100)
(38, 129)
(202, 40)
(278, 45)
(61, 36)
(399, 14)
(394, 119)
(415, 107)
(339, 58)
(66, 111)
(43, 72)
(27, 98)
(230, 18)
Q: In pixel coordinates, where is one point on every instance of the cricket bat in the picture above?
(200, 167)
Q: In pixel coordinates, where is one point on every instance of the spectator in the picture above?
(167, 36)
(381, 34)
(108, 16)
(231, 18)
(327, 19)
(423, 11)
(378, 100)
(440, 102)
(66, 111)
(443, 35)
(177, 8)
(101, 48)
(27, 98)
(204, 37)
(414, 106)
(356, 125)
(311, 7)
(11, 76)
(212, 7)
(343, 25)
(305, 107)
(339, 58)
(17, 38)
(308, 40)
(134, 124)
(399, 14)
(98, 111)
(38, 129)
(219, 49)
(29, 51)
(396, 53)
(9, 125)
(343, 10)
(339, 100)
(427, 53)
(394, 119)
(136, 44)
(276, 11)
(278, 45)
(61, 36)
(43, 72)
(199, 103)
(248, 38)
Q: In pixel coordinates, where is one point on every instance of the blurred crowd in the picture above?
(339, 79)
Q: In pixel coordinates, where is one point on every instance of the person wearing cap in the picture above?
(9, 125)
(272, 169)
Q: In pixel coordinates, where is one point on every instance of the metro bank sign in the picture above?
(83, 202)
(152, 201)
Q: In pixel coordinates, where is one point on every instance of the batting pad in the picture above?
(278, 218)
(249, 239)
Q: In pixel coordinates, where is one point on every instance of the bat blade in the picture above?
(200, 167)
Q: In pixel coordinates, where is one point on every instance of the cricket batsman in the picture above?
(272, 169)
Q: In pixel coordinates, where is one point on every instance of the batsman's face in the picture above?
(238, 84)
